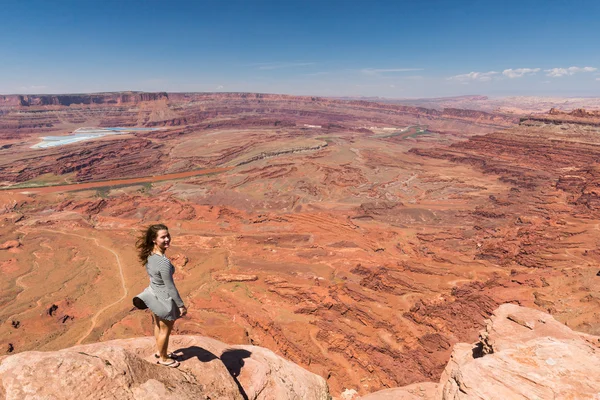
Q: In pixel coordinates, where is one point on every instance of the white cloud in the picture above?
(279, 65)
(33, 87)
(219, 87)
(379, 71)
(558, 72)
(474, 76)
(520, 72)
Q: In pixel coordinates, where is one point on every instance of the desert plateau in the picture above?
(360, 240)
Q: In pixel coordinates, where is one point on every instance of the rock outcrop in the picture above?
(524, 354)
(579, 116)
(521, 354)
(126, 369)
(81, 98)
(578, 112)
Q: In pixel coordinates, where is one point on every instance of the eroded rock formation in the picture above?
(524, 354)
(578, 116)
(358, 240)
(521, 354)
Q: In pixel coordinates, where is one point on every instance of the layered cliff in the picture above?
(80, 99)
(24, 119)
(578, 116)
(23, 114)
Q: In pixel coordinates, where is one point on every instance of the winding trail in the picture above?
(24, 287)
(19, 280)
(125, 291)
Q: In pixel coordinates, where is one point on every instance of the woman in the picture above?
(161, 296)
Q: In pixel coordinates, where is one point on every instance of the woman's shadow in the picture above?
(233, 359)
(194, 351)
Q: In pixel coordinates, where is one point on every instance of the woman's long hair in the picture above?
(145, 242)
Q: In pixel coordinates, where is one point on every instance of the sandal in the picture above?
(171, 363)
(172, 356)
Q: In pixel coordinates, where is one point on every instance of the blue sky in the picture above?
(394, 49)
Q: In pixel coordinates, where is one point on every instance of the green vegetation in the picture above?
(419, 131)
(44, 180)
(326, 139)
(146, 187)
(244, 287)
(103, 192)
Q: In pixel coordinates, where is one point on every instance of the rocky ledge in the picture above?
(127, 369)
(521, 354)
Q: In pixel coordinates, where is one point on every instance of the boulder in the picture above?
(511, 325)
(127, 369)
(523, 354)
(265, 375)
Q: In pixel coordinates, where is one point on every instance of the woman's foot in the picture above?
(169, 363)
(172, 356)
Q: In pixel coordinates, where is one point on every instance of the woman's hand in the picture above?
(183, 311)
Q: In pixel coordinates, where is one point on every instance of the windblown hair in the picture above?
(145, 242)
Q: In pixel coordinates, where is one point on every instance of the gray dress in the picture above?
(161, 297)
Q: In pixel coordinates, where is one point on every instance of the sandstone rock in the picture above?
(416, 391)
(578, 112)
(234, 277)
(126, 369)
(101, 371)
(523, 354)
(179, 260)
(258, 373)
(512, 325)
(349, 394)
(554, 116)
(265, 375)
(9, 244)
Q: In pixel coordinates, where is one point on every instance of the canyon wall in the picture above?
(360, 241)
(79, 99)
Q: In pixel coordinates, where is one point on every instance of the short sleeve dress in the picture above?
(161, 297)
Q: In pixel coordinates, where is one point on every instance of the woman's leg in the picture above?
(156, 327)
(162, 342)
